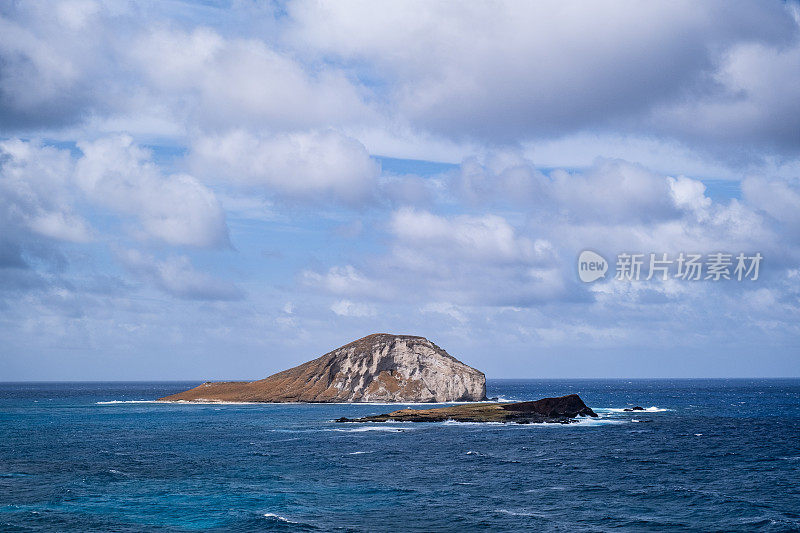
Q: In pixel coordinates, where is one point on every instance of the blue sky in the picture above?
(220, 190)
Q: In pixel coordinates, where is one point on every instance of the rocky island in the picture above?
(377, 368)
(563, 410)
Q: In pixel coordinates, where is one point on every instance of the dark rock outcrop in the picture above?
(563, 410)
(570, 406)
(376, 368)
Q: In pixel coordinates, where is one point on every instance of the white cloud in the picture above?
(462, 259)
(780, 199)
(232, 81)
(37, 192)
(177, 209)
(447, 309)
(689, 194)
(309, 165)
(353, 309)
(488, 238)
(609, 190)
(346, 280)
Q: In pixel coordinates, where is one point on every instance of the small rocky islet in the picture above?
(393, 369)
(561, 410)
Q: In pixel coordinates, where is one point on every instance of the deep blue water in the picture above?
(718, 455)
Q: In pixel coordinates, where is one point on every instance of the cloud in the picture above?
(779, 199)
(317, 165)
(511, 71)
(176, 209)
(526, 256)
(446, 309)
(461, 259)
(177, 277)
(346, 280)
(500, 73)
(276, 117)
(234, 81)
(610, 190)
(488, 238)
(353, 309)
(155, 74)
(753, 108)
(37, 193)
(48, 57)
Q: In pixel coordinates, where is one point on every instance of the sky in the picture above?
(221, 190)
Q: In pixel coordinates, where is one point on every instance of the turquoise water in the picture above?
(707, 455)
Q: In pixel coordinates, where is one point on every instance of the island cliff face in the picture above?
(377, 368)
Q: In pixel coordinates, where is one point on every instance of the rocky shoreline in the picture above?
(560, 410)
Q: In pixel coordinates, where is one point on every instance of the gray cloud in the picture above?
(506, 72)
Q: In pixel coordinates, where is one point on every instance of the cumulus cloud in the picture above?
(462, 259)
(281, 113)
(719, 76)
(488, 238)
(610, 190)
(177, 209)
(177, 277)
(310, 165)
(155, 75)
(526, 257)
(37, 192)
(244, 81)
(779, 199)
(514, 70)
(51, 56)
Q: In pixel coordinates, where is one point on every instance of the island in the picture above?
(562, 410)
(377, 368)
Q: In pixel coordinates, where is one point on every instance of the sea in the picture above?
(704, 455)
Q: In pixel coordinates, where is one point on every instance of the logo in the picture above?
(591, 266)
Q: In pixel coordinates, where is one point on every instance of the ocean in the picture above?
(709, 455)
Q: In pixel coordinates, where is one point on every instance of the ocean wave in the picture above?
(460, 423)
(181, 402)
(205, 401)
(519, 513)
(279, 518)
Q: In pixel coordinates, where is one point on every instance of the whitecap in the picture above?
(279, 518)
(518, 513)
(206, 401)
(460, 423)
